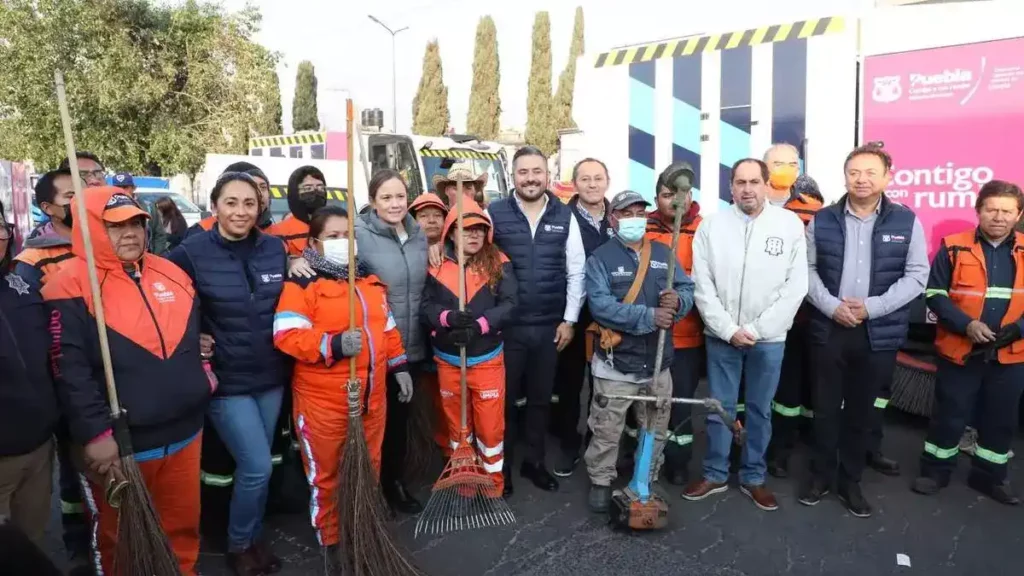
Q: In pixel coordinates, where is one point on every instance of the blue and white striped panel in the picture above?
(642, 175)
(734, 119)
(686, 124)
(789, 92)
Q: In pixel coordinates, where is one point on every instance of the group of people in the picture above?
(792, 308)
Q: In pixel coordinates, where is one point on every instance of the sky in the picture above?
(352, 54)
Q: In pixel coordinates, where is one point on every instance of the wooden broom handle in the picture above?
(83, 219)
(350, 202)
(463, 386)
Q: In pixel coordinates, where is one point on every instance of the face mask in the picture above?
(68, 219)
(783, 177)
(313, 202)
(632, 229)
(336, 251)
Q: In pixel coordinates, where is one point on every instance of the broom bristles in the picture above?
(367, 546)
(422, 451)
(142, 547)
(913, 385)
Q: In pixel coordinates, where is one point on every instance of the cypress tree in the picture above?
(304, 113)
(484, 118)
(567, 80)
(430, 106)
(540, 131)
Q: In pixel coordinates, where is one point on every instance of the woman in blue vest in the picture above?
(238, 273)
(394, 248)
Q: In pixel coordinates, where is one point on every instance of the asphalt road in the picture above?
(956, 533)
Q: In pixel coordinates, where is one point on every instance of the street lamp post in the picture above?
(394, 94)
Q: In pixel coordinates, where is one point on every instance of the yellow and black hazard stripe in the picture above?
(458, 154)
(332, 193)
(293, 140)
(727, 41)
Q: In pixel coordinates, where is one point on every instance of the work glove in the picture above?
(404, 387)
(347, 344)
(458, 319)
(463, 336)
(1007, 335)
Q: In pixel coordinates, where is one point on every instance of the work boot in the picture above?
(539, 476)
(599, 499)
(676, 475)
(508, 490)
(883, 465)
(333, 565)
(400, 498)
(567, 462)
(779, 467)
(927, 486)
(1001, 492)
(813, 492)
(853, 499)
(244, 563)
(761, 496)
(271, 564)
(701, 489)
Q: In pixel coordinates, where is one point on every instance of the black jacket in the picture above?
(28, 402)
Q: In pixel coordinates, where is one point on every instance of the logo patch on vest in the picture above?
(18, 284)
(553, 228)
(894, 238)
(610, 231)
(655, 265)
(621, 272)
(162, 294)
(268, 278)
(773, 246)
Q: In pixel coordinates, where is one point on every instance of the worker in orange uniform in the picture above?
(687, 333)
(312, 326)
(976, 288)
(48, 248)
(791, 408)
(430, 212)
(307, 192)
(491, 296)
(152, 318)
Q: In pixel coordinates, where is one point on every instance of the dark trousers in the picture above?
(848, 378)
(876, 435)
(572, 369)
(686, 365)
(993, 388)
(793, 402)
(396, 439)
(530, 364)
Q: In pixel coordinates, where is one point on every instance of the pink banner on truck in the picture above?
(952, 119)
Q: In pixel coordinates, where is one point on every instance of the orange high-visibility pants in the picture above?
(485, 414)
(322, 431)
(173, 484)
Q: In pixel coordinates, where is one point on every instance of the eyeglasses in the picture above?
(90, 174)
(474, 231)
(312, 189)
(6, 231)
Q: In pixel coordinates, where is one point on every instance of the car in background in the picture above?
(190, 211)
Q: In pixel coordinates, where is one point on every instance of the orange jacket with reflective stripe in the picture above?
(310, 312)
(804, 206)
(48, 261)
(688, 332)
(294, 232)
(968, 288)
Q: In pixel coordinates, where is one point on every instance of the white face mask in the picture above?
(336, 251)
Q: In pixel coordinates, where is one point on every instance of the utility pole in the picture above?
(394, 93)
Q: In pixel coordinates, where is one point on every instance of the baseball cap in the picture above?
(123, 180)
(627, 198)
(121, 208)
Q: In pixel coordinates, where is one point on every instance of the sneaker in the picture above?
(701, 489)
(599, 499)
(853, 499)
(926, 486)
(761, 496)
(813, 493)
(969, 441)
(566, 464)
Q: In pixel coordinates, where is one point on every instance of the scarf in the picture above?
(330, 269)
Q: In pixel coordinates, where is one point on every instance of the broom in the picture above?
(142, 547)
(913, 385)
(465, 495)
(367, 547)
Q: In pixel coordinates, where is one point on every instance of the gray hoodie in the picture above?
(403, 267)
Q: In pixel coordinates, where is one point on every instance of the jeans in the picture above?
(759, 366)
(246, 426)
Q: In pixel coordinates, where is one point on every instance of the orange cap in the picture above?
(121, 207)
(428, 200)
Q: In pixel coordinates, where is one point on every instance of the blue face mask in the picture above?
(632, 229)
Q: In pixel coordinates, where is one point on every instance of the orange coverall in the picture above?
(309, 313)
(293, 231)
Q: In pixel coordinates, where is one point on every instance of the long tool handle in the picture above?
(463, 386)
(713, 405)
(677, 223)
(90, 257)
(350, 202)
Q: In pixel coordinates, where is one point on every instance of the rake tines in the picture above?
(463, 498)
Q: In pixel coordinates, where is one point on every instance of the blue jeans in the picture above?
(246, 426)
(760, 366)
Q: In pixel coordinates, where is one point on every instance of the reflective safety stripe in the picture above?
(787, 411)
(276, 459)
(469, 440)
(495, 467)
(520, 402)
(935, 292)
(314, 491)
(881, 403)
(488, 451)
(993, 457)
(554, 398)
(967, 292)
(218, 480)
(1000, 293)
(71, 507)
(941, 453)
(631, 432)
(94, 515)
(680, 439)
(741, 408)
(806, 412)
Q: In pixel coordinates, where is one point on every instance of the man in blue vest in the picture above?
(590, 210)
(867, 261)
(542, 240)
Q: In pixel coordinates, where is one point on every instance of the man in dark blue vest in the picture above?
(867, 261)
(590, 209)
(542, 240)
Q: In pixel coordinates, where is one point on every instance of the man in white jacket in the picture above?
(750, 270)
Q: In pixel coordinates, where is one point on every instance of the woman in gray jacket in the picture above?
(394, 247)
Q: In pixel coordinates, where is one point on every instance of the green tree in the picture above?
(430, 106)
(304, 113)
(567, 80)
(484, 118)
(540, 130)
(175, 83)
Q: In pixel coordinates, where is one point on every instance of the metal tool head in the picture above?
(464, 497)
(678, 177)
